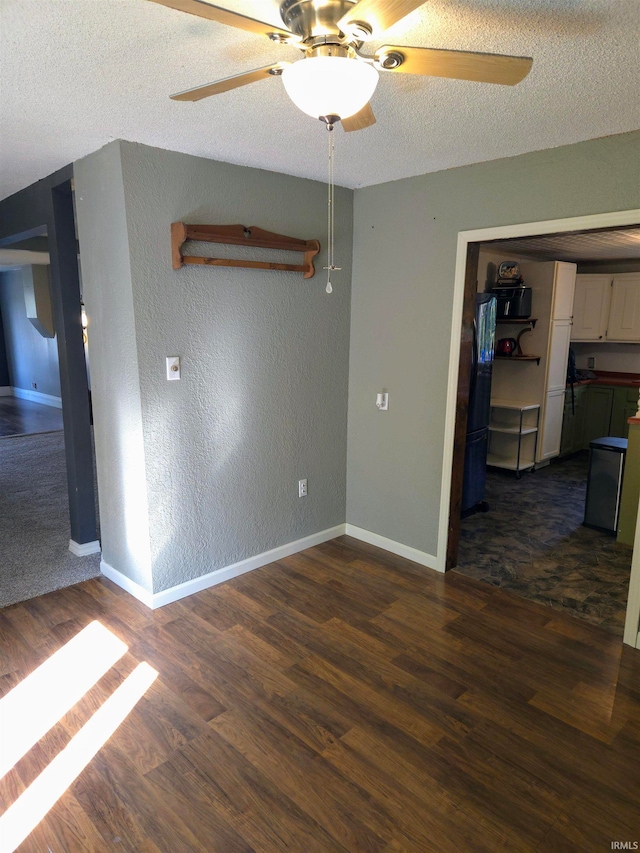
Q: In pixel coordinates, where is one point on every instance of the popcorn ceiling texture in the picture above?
(78, 73)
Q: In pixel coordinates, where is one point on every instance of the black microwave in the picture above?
(513, 302)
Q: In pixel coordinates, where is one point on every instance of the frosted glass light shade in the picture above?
(330, 85)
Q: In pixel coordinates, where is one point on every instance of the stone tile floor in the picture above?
(533, 544)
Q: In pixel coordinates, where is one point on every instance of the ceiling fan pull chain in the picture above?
(330, 210)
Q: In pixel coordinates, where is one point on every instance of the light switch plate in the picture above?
(173, 367)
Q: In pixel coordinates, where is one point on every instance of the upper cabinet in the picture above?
(553, 285)
(591, 307)
(563, 291)
(624, 315)
(607, 308)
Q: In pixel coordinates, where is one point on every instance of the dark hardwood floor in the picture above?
(342, 699)
(22, 417)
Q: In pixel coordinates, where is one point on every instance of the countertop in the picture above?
(611, 377)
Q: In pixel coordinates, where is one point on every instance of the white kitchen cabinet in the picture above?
(563, 291)
(558, 355)
(552, 428)
(624, 314)
(553, 406)
(607, 308)
(591, 307)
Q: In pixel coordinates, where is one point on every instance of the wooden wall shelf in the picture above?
(240, 235)
(519, 358)
(505, 321)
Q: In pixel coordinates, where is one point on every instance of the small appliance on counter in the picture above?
(514, 299)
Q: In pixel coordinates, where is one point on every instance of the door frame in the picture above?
(465, 285)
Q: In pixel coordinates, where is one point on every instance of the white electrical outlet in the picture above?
(302, 488)
(382, 401)
(173, 367)
(591, 363)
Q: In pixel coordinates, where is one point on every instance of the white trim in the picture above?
(182, 590)
(84, 549)
(127, 584)
(6, 391)
(503, 232)
(37, 397)
(398, 548)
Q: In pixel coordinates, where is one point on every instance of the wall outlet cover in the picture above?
(173, 367)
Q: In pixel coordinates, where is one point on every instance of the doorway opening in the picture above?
(48, 520)
(532, 540)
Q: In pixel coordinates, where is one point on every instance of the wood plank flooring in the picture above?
(22, 417)
(342, 699)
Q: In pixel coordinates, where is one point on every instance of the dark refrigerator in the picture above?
(477, 443)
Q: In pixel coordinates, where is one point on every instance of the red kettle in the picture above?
(506, 346)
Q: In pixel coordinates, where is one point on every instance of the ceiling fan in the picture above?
(335, 81)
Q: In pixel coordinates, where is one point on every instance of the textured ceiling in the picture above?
(590, 246)
(76, 74)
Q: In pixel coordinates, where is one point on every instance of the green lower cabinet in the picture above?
(618, 426)
(598, 415)
(599, 411)
(573, 420)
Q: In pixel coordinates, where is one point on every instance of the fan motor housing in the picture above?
(309, 19)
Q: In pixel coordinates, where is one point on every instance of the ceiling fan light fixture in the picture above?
(330, 85)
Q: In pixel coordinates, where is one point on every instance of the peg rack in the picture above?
(240, 235)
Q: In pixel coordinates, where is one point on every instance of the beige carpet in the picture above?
(34, 520)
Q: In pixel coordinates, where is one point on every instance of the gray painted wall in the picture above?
(108, 297)
(31, 358)
(405, 236)
(263, 398)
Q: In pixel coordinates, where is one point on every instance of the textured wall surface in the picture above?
(106, 276)
(263, 397)
(31, 358)
(405, 236)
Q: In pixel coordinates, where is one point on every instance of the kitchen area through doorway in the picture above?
(550, 502)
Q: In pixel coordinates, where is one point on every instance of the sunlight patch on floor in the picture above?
(28, 810)
(40, 701)
(36, 704)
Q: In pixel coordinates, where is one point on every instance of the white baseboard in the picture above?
(6, 391)
(84, 549)
(182, 590)
(127, 584)
(398, 548)
(37, 397)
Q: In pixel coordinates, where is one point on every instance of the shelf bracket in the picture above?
(240, 235)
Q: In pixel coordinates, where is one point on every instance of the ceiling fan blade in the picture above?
(378, 14)
(362, 119)
(224, 16)
(229, 83)
(458, 64)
